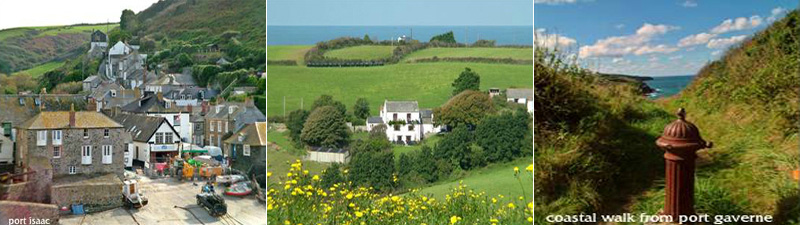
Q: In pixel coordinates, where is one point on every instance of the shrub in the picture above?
(325, 127)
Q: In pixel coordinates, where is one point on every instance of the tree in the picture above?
(503, 137)
(455, 147)
(184, 60)
(424, 164)
(366, 38)
(467, 108)
(117, 34)
(127, 21)
(467, 80)
(372, 144)
(325, 127)
(446, 38)
(402, 166)
(361, 108)
(294, 123)
(327, 100)
(373, 169)
(378, 131)
(332, 175)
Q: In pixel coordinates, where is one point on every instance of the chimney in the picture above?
(72, 115)
(160, 97)
(92, 106)
(204, 107)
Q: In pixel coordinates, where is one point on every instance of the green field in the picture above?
(496, 179)
(53, 30)
(287, 52)
(428, 83)
(365, 52)
(400, 149)
(278, 161)
(41, 69)
(514, 53)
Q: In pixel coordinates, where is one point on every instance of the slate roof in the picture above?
(124, 97)
(119, 49)
(254, 134)
(243, 114)
(525, 93)
(12, 111)
(60, 120)
(142, 127)
(91, 79)
(149, 104)
(104, 88)
(426, 115)
(375, 119)
(175, 80)
(401, 106)
(194, 92)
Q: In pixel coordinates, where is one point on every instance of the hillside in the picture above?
(26, 47)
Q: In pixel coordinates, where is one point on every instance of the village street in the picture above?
(166, 193)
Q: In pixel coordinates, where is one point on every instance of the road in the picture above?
(164, 195)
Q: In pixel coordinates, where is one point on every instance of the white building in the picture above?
(521, 96)
(155, 105)
(155, 140)
(405, 122)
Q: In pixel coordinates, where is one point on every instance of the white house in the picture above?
(155, 105)
(155, 140)
(521, 96)
(405, 122)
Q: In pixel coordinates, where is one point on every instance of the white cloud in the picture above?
(725, 42)
(620, 26)
(775, 13)
(740, 23)
(637, 44)
(551, 40)
(676, 57)
(617, 60)
(554, 2)
(696, 39)
(689, 3)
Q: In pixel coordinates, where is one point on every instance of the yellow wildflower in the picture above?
(349, 196)
(530, 205)
(530, 219)
(511, 205)
(454, 219)
(494, 200)
(315, 178)
(352, 205)
(305, 172)
(289, 174)
(359, 214)
(516, 170)
(269, 174)
(287, 222)
(529, 168)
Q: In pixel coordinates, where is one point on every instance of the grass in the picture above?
(41, 69)
(365, 52)
(400, 149)
(514, 53)
(428, 83)
(52, 30)
(495, 179)
(287, 52)
(279, 161)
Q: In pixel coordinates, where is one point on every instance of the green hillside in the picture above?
(287, 52)
(496, 179)
(26, 47)
(428, 83)
(514, 53)
(365, 52)
(41, 69)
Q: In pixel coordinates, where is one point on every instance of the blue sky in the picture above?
(399, 12)
(652, 38)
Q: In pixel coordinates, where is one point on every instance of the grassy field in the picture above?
(514, 53)
(362, 52)
(287, 52)
(53, 30)
(429, 83)
(41, 69)
(278, 161)
(400, 149)
(496, 179)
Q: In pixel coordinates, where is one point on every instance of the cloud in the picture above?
(740, 23)
(689, 4)
(775, 13)
(554, 2)
(637, 43)
(725, 42)
(620, 26)
(546, 40)
(696, 39)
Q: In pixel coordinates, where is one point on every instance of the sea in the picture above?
(309, 35)
(668, 86)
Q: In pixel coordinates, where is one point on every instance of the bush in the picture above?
(325, 127)
(446, 38)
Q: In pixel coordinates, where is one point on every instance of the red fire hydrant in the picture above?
(680, 141)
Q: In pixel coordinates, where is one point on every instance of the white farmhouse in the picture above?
(405, 122)
(521, 96)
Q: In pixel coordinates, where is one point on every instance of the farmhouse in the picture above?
(248, 146)
(405, 122)
(154, 139)
(521, 96)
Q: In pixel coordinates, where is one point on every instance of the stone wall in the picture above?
(95, 194)
(28, 210)
(35, 189)
(72, 144)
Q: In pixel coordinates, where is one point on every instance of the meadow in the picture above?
(278, 160)
(41, 69)
(495, 179)
(363, 52)
(428, 83)
(514, 53)
(287, 52)
(53, 30)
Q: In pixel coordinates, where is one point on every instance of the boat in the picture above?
(239, 189)
(229, 179)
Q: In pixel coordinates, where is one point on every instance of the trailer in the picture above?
(213, 203)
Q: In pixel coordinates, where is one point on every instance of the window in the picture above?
(105, 133)
(168, 104)
(159, 138)
(211, 127)
(86, 155)
(408, 117)
(7, 129)
(397, 127)
(71, 169)
(41, 138)
(56, 151)
(57, 137)
(211, 140)
(399, 138)
(168, 138)
(246, 151)
(176, 120)
(408, 138)
(395, 116)
(107, 151)
(219, 126)
(410, 127)
(85, 133)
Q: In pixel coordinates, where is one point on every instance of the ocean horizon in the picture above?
(666, 86)
(309, 35)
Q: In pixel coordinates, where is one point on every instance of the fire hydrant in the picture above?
(681, 140)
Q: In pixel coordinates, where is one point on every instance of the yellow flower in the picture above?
(511, 205)
(287, 222)
(530, 219)
(529, 168)
(269, 174)
(352, 205)
(516, 170)
(454, 219)
(287, 187)
(530, 205)
(269, 206)
(315, 178)
(305, 172)
(349, 196)
(289, 174)
(395, 198)
(494, 221)
(494, 200)
(359, 214)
